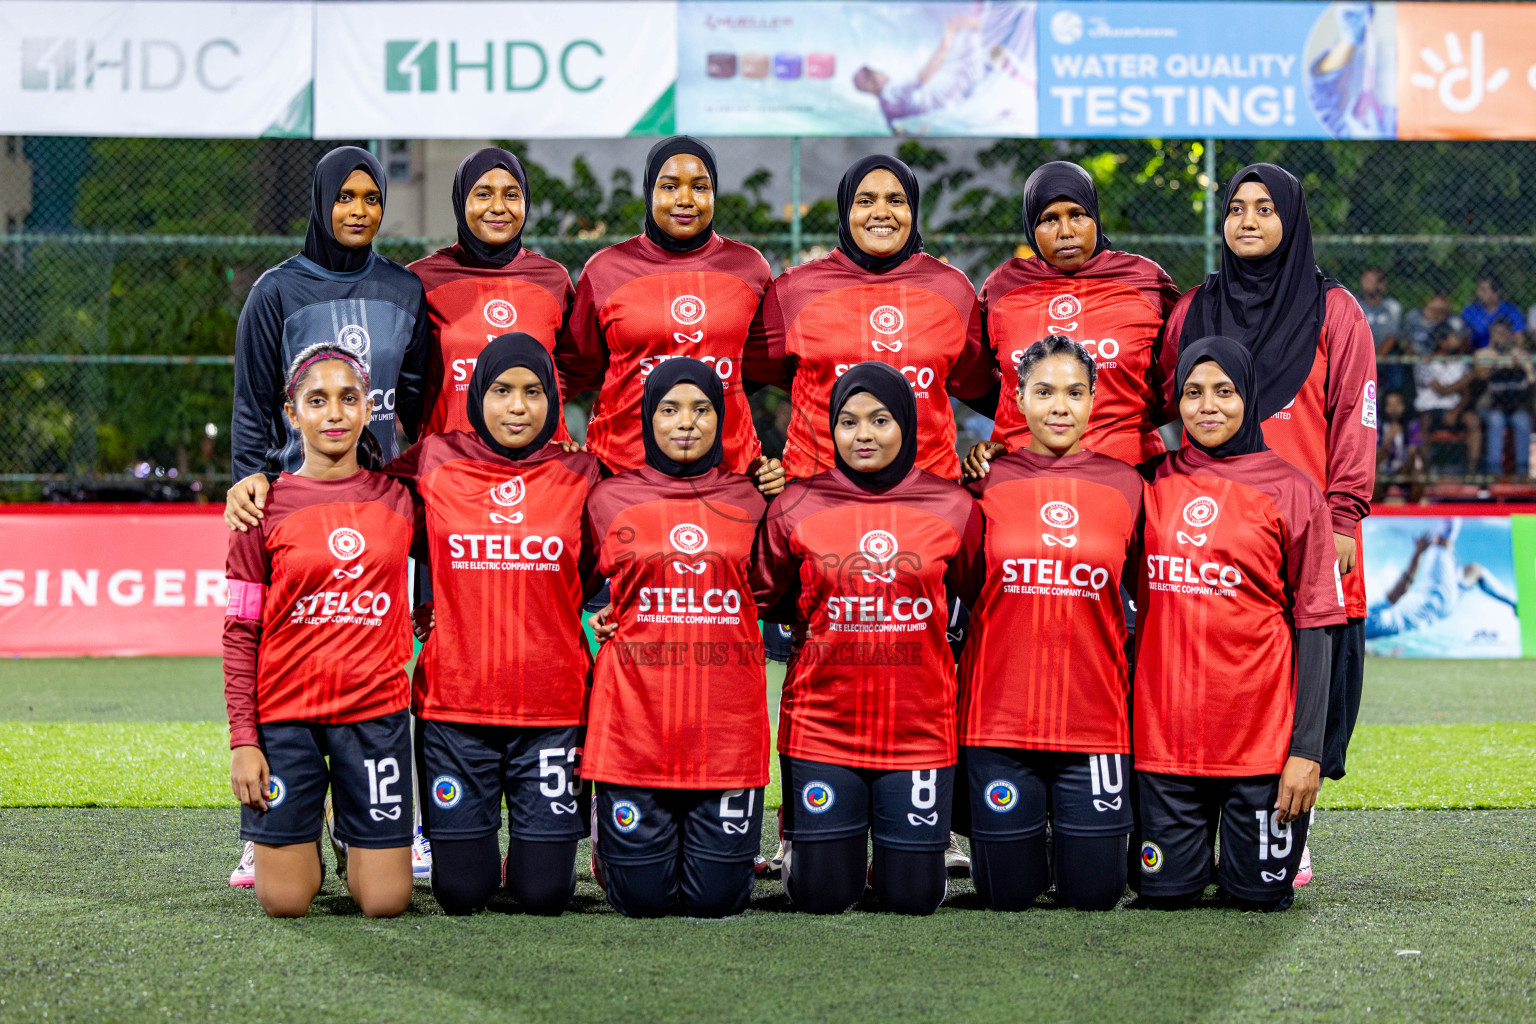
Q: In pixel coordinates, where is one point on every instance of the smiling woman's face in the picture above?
(1210, 405)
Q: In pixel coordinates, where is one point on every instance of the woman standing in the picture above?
(858, 558)
(678, 740)
(1113, 303)
(1232, 654)
(501, 683)
(315, 644)
(1044, 686)
(486, 284)
(877, 297)
(676, 290)
(1315, 365)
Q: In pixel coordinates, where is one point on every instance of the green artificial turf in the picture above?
(124, 915)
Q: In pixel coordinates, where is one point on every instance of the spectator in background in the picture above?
(1505, 369)
(1385, 316)
(1444, 394)
(1420, 325)
(1398, 446)
(1489, 306)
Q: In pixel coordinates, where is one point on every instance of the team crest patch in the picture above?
(277, 791)
(887, 320)
(346, 543)
(1064, 307)
(878, 545)
(1201, 512)
(500, 313)
(1151, 858)
(1002, 795)
(626, 815)
(354, 339)
(687, 309)
(688, 538)
(817, 796)
(509, 492)
(447, 791)
(1058, 514)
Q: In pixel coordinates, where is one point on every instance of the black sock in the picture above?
(908, 881)
(1090, 871)
(1009, 874)
(714, 888)
(826, 876)
(465, 873)
(641, 890)
(541, 876)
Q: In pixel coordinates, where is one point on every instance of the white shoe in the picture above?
(338, 847)
(244, 875)
(956, 860)
(774, 868)
(421, 856)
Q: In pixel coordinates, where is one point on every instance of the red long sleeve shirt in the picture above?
(470, 305)
(822, 317)
(1329, 430)
(508, 555)
(637, 305)
(1114, 305)
(1237, 552)
(318, 625)
(679, 696)
(873, 686)
(1044, 664)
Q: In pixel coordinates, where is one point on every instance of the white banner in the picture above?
(491, 69)
(106, 67)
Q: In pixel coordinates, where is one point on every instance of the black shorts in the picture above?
(368, 776)
(640, 825)
(1259, 855)
(906, 810)
(463, 770)
(1014, 792)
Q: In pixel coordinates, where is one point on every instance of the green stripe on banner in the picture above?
(661, 118)
(1522, 535)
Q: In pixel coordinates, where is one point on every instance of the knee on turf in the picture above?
(826, 877)
(712, 889)
(1273, 906)
(910, 882)
(1090, 871)
(641, 890)
(285, 901)
(465, 874)
(541, 876)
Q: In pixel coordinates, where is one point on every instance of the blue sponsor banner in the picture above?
(1234, 70)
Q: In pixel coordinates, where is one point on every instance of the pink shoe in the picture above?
(1304, 872)
(244, 875)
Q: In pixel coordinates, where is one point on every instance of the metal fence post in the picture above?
(1210, 206)
(794, 202)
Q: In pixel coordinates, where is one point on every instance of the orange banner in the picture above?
(1466, 71)
(123, 580)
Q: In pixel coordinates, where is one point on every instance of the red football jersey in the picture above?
(679, 696)
(471, 304)
(508, 557)
(873, 686)
(318, 626)
(638, 305)
(1115, 305)
(1044, 663)
(822, 317)
(1329, 429)
(1237, 553)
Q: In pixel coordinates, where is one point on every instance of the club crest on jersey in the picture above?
(1151, 858)
(509, 492)
(1059, 515)
(447, 791)
(500, 313)
(878, 546)
(626, 815)
(1199, 514)
(354, 339)
(1064, 308)
(887, 320)
(688, 538)
(817, 796)
(346, 543)
(687, 309)
(1002, 795)
(277, 791)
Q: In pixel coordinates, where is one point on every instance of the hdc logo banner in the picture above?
(1467, 71)
(476, 70)
(96, 67)
(1233, 70)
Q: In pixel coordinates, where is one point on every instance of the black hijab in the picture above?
(660, 153)
(1062, 179)
(1238, 366)
(471, 169)
(503, 353)
(1272, 306)
(886, 383)
(331, 173)
(848, 188)
(671, 373)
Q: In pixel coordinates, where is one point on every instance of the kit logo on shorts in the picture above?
(817, 796)
(887, 320)
(1064, 308)
(1151, 858)
(277, 791)
(355, 339)
(687, 309)
(1002, 795)
(447, 791)
(688, 538)
(626, 815)
(346, 543)
(500, 313)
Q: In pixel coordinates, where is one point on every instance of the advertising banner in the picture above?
(818, 68)
(98, 67)
(1243, 70)
(1467, 71)
(1523, 546)
(494, 69)
(111, 581)
(1441, 587)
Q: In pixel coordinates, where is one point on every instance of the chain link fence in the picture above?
(125, 263)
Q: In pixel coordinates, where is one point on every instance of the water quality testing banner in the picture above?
(105, 580)
(492, 69)
(1450, 587)
(873, 68)
(95, 67)
(1232, 70)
